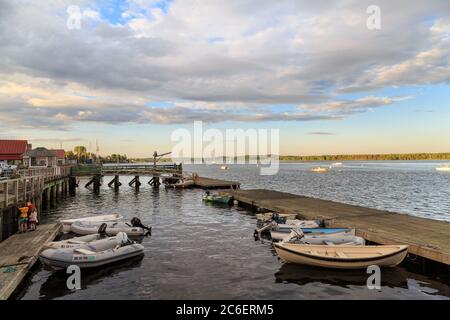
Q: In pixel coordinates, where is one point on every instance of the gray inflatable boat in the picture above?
(93, 254)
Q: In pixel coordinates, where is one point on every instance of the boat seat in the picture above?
(84, 251)
(340, 254)
(76, 241)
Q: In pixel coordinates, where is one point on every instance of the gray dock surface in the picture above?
(426, 238)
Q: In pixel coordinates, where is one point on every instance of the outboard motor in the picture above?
(136, 223)
(122, 239)
(102, 230)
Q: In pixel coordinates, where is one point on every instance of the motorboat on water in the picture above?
(66, 223)
(297, 236)
(444, 168)
(279, 235)
(92, 254)
(134, 229)
(217, 198)
(319, 169)
(182, 184)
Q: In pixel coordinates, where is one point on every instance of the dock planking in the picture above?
(19, 253)
(426, 238)
(208, 183)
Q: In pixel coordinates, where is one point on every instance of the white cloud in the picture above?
(212, 60)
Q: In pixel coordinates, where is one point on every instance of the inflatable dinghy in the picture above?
(93, 254)
(134, 229)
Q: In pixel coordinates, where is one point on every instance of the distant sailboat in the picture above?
(444, 168)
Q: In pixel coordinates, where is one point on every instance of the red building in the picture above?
(12, 150)
(60, 156)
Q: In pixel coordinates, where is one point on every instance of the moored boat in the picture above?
(73, 242)
(66, 223)
(93, 254)
(444, 168)
(341, 257)
(330, 232)
(324, 239)
(217, 198)
(134, 229)
(182, 184)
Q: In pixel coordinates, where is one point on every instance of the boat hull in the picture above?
(66, 223)
(84, 228)
(63, 258)
(388, 260)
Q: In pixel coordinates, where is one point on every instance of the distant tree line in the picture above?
(368, 157)
(80, 154)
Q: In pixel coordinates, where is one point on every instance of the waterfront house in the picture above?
(60, 156)
(40, 157)
(12, 151)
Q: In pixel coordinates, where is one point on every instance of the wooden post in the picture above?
(97, 183)
(72, 185)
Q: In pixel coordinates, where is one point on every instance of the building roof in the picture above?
(60, 153)
(40, 152)
(12, 149)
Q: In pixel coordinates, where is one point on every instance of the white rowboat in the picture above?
(99, 218)
(342, 257)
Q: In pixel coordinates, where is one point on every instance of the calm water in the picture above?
(200, 251)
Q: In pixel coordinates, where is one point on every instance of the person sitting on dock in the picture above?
(33, 220)
(23, 219)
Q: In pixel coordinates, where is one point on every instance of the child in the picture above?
(33, 219)
(23, 219)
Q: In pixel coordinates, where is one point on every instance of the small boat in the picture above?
(444, 168)
(99, 218)
(74, 242)
(224, 168)
(268, 216)
(336, 164)
(133, 229)
(319, 169)
(295, 223)
(93, 254)
(217, 198)
(342, 257)
(278, 235)
(181, 184)
(346, 240)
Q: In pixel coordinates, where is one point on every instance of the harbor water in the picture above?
(203, 251)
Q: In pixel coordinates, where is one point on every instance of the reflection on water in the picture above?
(204, 251)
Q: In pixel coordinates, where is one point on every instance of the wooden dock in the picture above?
(426, 238)
(19, 253)
(208, 183)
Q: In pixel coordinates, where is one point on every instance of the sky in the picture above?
(136, 70)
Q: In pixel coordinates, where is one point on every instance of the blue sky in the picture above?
(137, 70)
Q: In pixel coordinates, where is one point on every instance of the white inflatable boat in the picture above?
(346, 240)
(133, 229)
(74, 242)
(100, 218)
(92, 254)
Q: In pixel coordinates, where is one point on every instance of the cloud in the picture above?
(270, 53)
